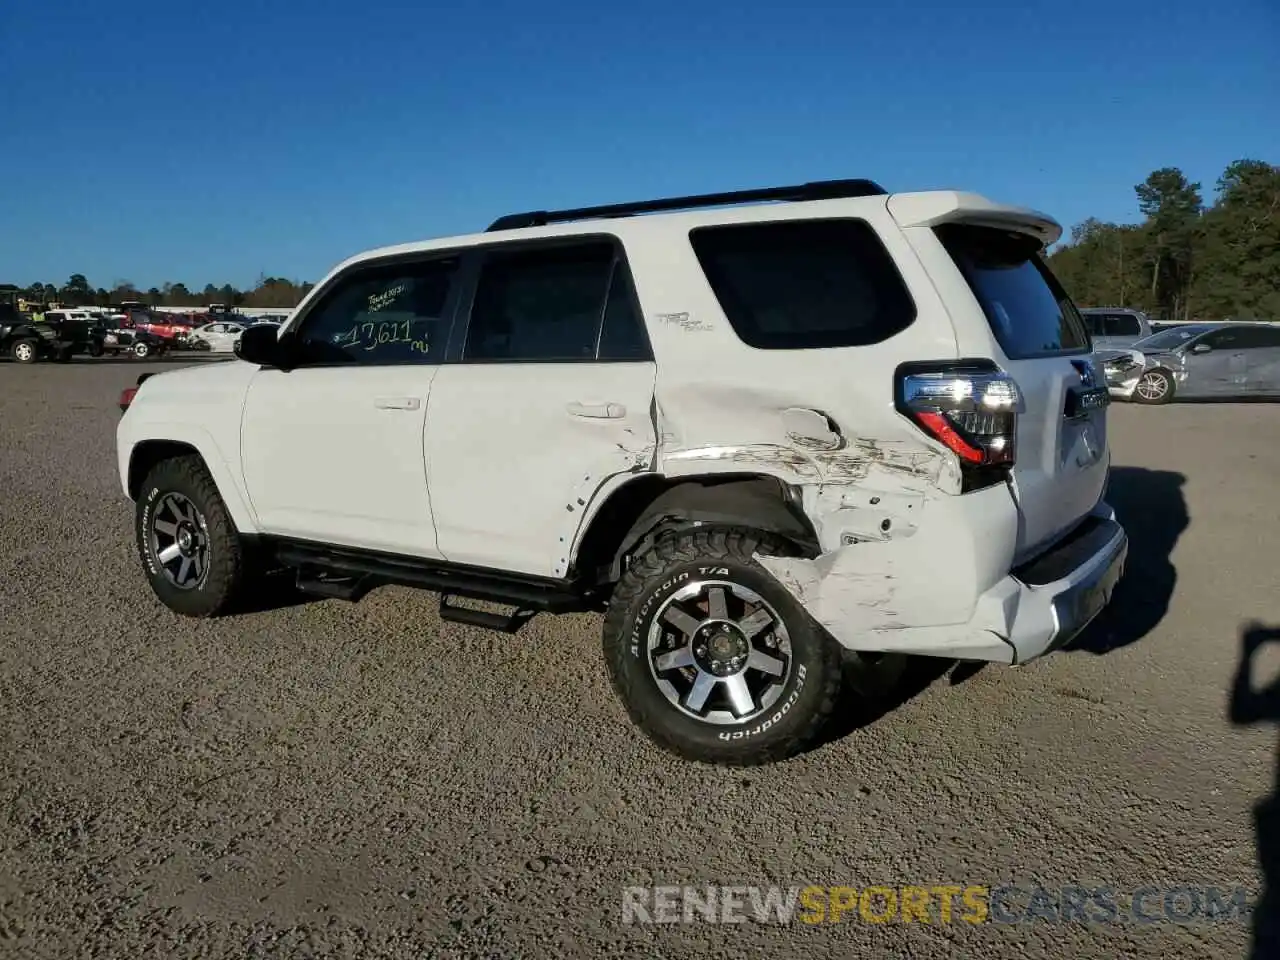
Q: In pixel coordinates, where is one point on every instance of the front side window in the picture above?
(1027, 309)
(382, 314)
(541, 304)
(804, 284)
(1221, 339)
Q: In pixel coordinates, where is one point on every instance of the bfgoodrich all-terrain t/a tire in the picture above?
(189, 546)
(712, 658)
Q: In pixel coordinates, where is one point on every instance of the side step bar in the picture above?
(349, 574)
(501, 622)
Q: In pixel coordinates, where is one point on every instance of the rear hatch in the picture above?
(1038, 337)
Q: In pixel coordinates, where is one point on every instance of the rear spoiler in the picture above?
(938, 207)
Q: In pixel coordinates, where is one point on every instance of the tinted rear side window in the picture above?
(804, 284)
(1029, 312)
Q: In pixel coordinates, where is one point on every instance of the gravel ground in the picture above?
(360, 780)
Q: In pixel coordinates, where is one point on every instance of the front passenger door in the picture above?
(1218, 371)
(333, 448)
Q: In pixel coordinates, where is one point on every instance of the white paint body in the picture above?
(504, 465)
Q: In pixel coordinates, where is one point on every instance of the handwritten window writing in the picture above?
(382, 315)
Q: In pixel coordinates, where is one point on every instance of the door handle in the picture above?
(397, 403)
(596, 411)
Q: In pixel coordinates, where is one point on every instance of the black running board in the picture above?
(348, 574)
(501, 622)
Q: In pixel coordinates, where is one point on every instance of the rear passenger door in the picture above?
(1262, 360)
(548, 397)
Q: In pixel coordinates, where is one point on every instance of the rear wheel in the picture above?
(96, 349)
(712, 657)
(25, 351)
(1156, 386)
(188, 544)
(141, 350)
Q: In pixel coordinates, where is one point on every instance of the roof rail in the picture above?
(815, 190)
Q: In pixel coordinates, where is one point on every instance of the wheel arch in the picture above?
(651, 503)
(147, 453)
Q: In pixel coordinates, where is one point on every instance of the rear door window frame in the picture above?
(469, 280)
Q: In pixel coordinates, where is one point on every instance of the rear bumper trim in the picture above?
(1052, 614)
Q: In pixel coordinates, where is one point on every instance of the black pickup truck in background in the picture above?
(57, 337)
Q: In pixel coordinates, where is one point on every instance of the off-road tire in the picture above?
(225, 567)
(811, 692)
(26, 350)
(1166, 397)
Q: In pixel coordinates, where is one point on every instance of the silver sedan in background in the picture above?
(1197, 361)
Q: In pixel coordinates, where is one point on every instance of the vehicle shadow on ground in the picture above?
(1248, 707)
(1152, 507)
(275, 591)
(858, 708)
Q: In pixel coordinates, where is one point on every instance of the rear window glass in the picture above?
(1029, 312)
(1123, 325)
(804, 284)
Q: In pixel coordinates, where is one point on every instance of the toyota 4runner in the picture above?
(769, 434)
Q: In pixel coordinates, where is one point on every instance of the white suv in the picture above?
(769, 435)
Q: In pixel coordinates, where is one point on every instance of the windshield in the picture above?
(1170, 339)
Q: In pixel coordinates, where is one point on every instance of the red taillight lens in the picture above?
(970, 408)
(126, 397)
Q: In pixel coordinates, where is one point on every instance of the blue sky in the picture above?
(211, 142)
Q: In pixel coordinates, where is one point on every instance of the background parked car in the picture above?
(221, 336)
(1116, 327)
(111, 339)
(1194, 361)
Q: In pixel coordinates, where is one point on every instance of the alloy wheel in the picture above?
(719, 652)
(180, 541)
(1152, 386)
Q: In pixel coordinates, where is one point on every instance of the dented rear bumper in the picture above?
(1054, 598)
(909, 597)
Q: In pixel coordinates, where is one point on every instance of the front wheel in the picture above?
(25, 351)
(1156, 386)
(96, 349)
(187, 541)
(141, 350)
(711, 656)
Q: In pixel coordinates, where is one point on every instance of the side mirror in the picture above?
(263, 346)
(1201, 348)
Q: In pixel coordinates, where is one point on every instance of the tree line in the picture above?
(78, 292)
(1186, 260)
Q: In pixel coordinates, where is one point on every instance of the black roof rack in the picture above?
(816, 190)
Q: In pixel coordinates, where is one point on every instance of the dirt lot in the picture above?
(363, 780)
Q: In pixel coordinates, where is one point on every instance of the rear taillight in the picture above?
(126, 397)
(971, 408)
